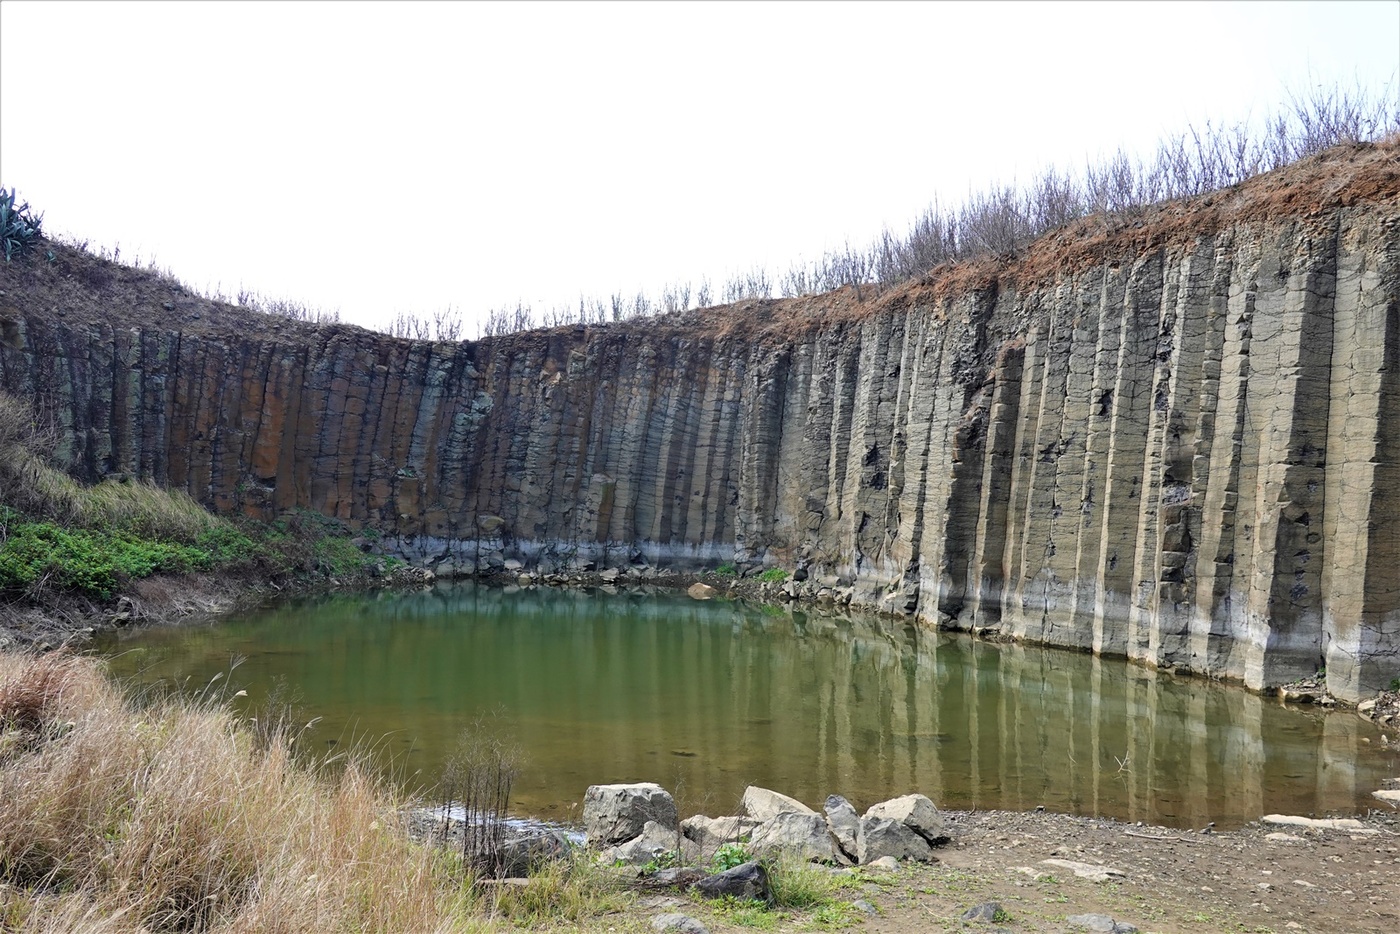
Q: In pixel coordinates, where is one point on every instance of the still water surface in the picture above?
(708, 697)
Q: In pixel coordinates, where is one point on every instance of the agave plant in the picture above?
(19, 228)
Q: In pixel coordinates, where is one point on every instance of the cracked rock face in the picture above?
(1178, 444)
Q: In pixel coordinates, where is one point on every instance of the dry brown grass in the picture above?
(174, 818)
(29, 484)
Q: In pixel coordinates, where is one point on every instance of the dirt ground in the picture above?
(1191, 881)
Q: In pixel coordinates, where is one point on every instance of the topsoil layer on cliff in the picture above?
(79, 287)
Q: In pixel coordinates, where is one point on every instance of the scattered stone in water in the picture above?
(699, 591)
(684, 753)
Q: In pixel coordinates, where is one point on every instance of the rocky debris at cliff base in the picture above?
(1383, 709)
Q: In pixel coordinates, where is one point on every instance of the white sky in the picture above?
(384, 158)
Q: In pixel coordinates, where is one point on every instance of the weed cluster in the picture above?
(175, 819)
(20, 229)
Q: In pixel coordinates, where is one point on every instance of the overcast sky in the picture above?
(378, 158)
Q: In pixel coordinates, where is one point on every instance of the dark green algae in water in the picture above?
(709, 697)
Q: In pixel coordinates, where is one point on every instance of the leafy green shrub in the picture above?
(727, 569)
(339, 557)
(730, 855)
(773, 576)
(19, 229)
(93, 561)
(226, 544)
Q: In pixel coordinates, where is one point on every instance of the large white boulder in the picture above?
(713, 832)
(915, 812)
(652, 844)
(617, 813)
(802, 835)
(762, 804)
(880, 837)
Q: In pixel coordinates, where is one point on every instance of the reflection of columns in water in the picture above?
(1336, 763)
(1094, 759)
(1020, 715)
(1244, 754)
(1197, 792)
(1133, 767)
(971, 672)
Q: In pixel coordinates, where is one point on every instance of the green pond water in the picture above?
(709, 697)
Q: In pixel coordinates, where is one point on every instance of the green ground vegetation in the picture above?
(59, 536)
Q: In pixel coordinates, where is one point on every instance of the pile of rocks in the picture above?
(637, 824)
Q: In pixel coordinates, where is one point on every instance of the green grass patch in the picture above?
(774, 576)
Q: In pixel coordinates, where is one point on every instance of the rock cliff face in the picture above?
(1174, 437)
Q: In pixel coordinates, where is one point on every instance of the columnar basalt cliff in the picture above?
(1174, 436)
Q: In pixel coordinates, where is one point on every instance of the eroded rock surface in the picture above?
(1169, 437)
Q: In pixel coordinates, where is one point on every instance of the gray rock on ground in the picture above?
(1091, 871)
(916, 812)
(652, 844)
(882, 837)
(803, 835)
(1100, 924)
(987, 911)
(520, 855)
(745, 881)
(763, 804)
(713, 832)
(675, 921)
(614, 814)
(843, 822)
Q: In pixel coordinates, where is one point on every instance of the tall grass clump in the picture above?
(33, 488)
(478, 780)
(175, 818)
